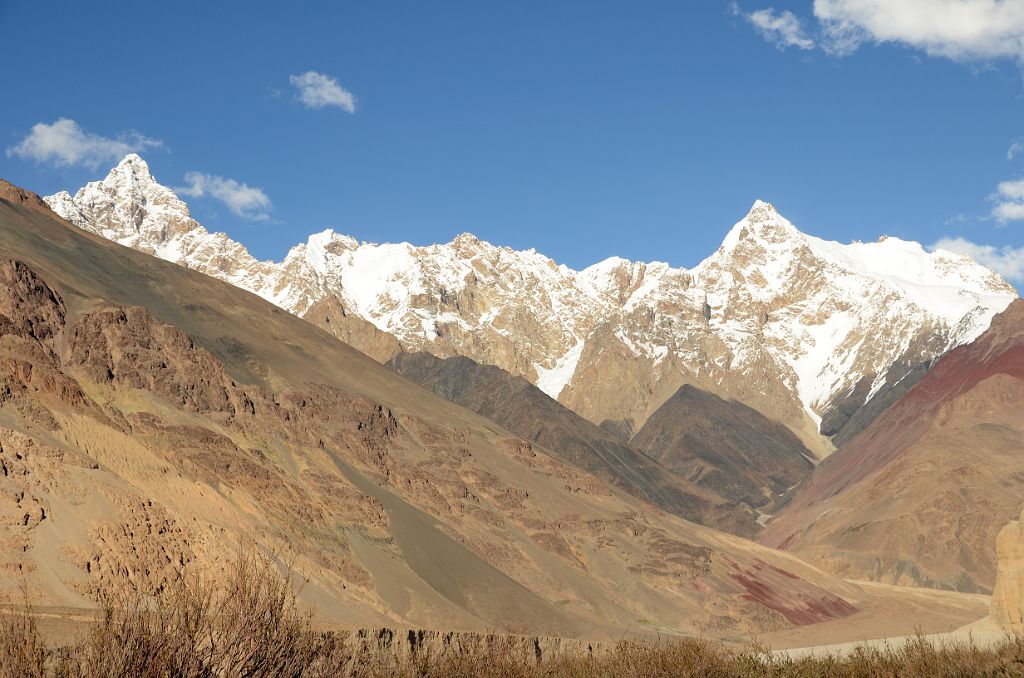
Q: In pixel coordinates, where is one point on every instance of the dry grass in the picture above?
(251, 625)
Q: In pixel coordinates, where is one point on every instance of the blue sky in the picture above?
(584, 129)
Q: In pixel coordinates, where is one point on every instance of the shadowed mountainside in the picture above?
(524, 409)
(725, 446)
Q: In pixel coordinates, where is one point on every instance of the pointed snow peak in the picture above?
(324, 236)
(764, 222)
(466, 236)
(133, 159)
(131, 176)
(763, 228)
(760, 213)
(132, 164)
(468, 245)
(604, 266)
(761, 210)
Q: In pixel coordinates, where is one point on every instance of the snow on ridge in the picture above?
(411, 291)
(552, 381)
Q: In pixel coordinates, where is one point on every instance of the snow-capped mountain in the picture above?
(803, 329)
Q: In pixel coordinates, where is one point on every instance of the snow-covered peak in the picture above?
(132, 180)
(466, 240)
(939, 282)
(134, 164)
(770, 252)
(762, 224)
(817, 317)
(129, 206)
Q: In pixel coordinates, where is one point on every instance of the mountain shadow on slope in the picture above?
(524, 409)
(853, 413)
(725, 446)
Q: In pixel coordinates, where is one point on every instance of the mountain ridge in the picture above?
(918, 497)
(801, 329)
(524, 409)
(153, 417)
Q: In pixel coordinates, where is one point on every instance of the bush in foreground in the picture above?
(251, 624)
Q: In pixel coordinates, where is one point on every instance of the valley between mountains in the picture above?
(793, 434)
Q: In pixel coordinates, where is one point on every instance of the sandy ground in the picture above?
(982, 633)
(891, 615)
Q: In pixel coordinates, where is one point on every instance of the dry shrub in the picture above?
(22, 653)
(250, 624)
(693, 658)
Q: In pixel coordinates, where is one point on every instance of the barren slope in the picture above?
(152, 417)
(919, 496)
(524, 409)
(726, 447)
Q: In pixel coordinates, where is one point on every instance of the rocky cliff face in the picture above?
(804, 330)
(1008, 596)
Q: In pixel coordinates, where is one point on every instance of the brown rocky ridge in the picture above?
(726, 447)
(918, 497)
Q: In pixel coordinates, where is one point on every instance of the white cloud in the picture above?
(1012, 189)
(1008, 211)
(962, 30)
(1007, 261)
(1009, 199)
(246, 201)
(957, 29)
(64, 143)
(317, 90)
(782, 29)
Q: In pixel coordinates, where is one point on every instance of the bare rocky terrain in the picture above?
(919, 496)
(527, 411)
(1008, 597)
(726, 447)
(153, 418)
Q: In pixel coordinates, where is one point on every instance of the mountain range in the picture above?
(816, 335)
(153, 417)
(463, 436)
(919, 496)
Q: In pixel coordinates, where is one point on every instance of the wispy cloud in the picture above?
(243, 200)
(64, 143)
(316, 90)
(782, 29)
(1007, 261)
(1015, 148)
